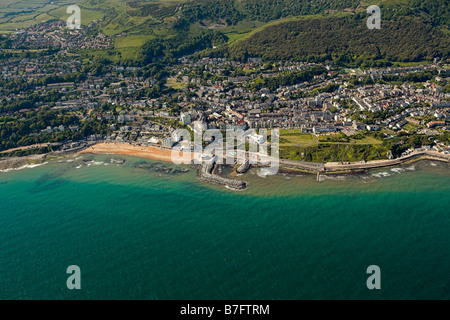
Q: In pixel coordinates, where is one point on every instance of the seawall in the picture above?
(205, 174)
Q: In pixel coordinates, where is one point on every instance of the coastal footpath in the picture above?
(413, 157)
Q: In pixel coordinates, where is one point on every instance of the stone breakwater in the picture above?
(205, 174)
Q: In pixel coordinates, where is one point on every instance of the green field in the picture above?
(334, 153)
(299, 146)
(411, 127)
(131, 41)
(15, 14)
(174, 84)
(23, 14)
(295, 138)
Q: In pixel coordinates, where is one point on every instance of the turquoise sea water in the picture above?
(140, 231)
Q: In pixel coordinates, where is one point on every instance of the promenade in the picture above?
(414, 156)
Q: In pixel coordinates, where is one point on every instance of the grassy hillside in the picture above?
(276, 26)
(144, 15)
(16, 14)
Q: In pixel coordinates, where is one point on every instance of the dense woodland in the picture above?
(289, 79)
(344, 40)
(16, 133)
(234, 11)
(184, 43)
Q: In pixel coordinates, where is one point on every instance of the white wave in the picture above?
(232, 189)
(263, 172)
(381, 174)
(341, 178)
(78, 167)
(93, 162)
(397, 170)
(27, 166)
(412, 168)
(433, 164)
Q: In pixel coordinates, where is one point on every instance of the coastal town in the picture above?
(54, 35)
(224, 150)
(80, 100)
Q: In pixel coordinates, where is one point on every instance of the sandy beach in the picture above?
(153, 153)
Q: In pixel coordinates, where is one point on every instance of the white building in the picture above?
(185, 118)
(154, 140)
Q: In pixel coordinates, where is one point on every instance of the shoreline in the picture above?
(163, 154)
(18, 162)
(286, 166)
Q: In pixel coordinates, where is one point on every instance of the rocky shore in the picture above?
(18, 162)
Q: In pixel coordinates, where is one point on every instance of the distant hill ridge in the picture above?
(412, 30)
(408, 39)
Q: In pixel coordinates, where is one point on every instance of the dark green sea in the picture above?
(147, 230)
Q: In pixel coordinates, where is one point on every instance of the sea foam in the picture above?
(27, 166)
